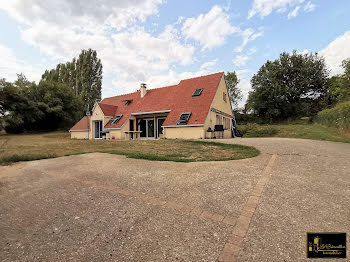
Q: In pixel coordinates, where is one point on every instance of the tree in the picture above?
(234, 93)
(58, 105)
(83, 75)
(293, 85)
(26, 106)
(89, 75)
(15, 104)
(340, 84)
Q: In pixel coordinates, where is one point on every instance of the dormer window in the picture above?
(197, 92)
(116, 119)
(184, 118)
(127, 102)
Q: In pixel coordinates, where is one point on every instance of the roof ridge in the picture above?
(121, 95)
(221, 72)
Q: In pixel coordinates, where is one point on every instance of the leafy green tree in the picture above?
(26, 106)
(234, 92)
(340, 84)
(89, 75)
(15, 104)
(293, 85)
(83, 75)
(58, 106)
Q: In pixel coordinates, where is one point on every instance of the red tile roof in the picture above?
(177, 98)
(81, 125)
(108, 110)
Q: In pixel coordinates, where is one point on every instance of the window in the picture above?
(116, 119)
(184, 118)
(224, 96)
(197, 92)
(127, 102)
(97, 129)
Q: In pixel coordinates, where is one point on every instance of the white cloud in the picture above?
(251, 51)
(304, 52)
(244, 85)
(131, 55)
(243, 73)
(309, 7)
(266, 7)
(248, 35)
(10, 66)
(161, 80)
(82, 14)
(294, 12)
(240, 60)
(208, 65)
(210, 29)
(336, 52)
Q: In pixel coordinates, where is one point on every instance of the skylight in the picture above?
(197, 92)
(184, 118)
(116, 119)
(127, 102)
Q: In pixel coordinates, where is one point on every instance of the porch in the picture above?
(146, 125)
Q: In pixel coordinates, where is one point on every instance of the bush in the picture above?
(338, 116)
(13, 124)
(254, 130)
(243, 118)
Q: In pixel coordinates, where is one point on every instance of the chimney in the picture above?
(143, 90)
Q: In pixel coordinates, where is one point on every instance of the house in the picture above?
(186, 110)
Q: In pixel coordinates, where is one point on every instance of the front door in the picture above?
(97, 129)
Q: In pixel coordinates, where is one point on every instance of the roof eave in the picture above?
(193, 125)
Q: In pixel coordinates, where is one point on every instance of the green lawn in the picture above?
(297, 130)
(14, 148)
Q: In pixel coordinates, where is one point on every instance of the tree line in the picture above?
(58, 101)
(292, 86)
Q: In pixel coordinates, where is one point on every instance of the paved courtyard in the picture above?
(101, 207)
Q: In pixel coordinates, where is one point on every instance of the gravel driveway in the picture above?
(101, 207)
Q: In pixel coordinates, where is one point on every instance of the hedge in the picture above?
(338, 116)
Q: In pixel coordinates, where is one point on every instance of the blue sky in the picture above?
(161, 42)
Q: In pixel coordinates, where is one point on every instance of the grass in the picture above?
(299, 129)
(27, 147)
(19, 158)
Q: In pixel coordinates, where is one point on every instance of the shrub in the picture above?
(338, 116)
(13, 124)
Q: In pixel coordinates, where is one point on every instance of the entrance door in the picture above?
(97, 129)
(146, 126)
